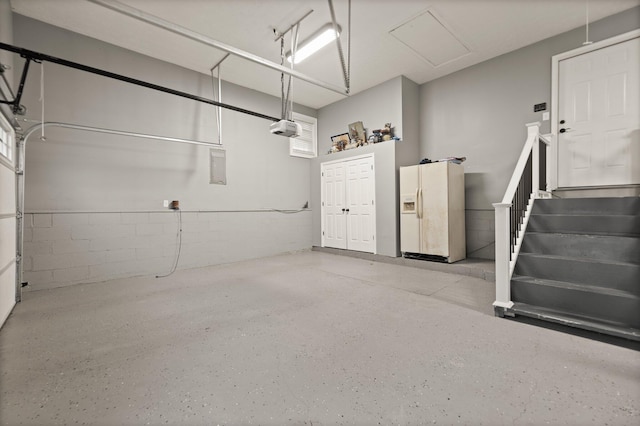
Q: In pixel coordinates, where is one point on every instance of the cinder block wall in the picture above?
(69, 248)
(73, 176)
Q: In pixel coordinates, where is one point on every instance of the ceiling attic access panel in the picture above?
(430, 39)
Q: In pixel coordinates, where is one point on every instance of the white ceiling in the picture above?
(485, 28)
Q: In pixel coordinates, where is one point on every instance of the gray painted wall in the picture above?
(114, 186)
(374, 107)
(410, 152)
(480, 112)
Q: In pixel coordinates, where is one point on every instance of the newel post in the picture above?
(533, 131)
(503, 284)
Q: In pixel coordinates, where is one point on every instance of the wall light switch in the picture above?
(165, 203)
(545, 116)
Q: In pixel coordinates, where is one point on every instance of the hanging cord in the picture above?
(349, 47)
(219, 115)
(217, 99)
(283, 108)
(178, 246)
(286, 102)
(345, 74)
(587, 41)
(289, 100)
(42, 137)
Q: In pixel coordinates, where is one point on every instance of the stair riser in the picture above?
(616, 276)
(617, 249)
(596, 206)
(625, 310)
(586, 224)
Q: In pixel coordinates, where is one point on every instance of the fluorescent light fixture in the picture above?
(315, 42)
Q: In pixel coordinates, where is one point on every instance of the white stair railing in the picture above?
(528, 182)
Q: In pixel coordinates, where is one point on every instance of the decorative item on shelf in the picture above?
(339, 142)
(455, 160)
(384, 134)
(362, 142)
(357, 134)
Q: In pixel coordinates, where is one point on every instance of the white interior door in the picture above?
(333, 205)
(360, 211)
(599, 111)
(348, 204)
(8, 232)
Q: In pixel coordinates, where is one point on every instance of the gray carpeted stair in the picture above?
(579, 265)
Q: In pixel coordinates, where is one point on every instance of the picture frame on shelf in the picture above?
(357, 133)
(339, 142)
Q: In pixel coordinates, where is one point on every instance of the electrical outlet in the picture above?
(545, 116)
(165, 203)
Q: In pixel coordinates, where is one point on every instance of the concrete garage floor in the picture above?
(307, 339)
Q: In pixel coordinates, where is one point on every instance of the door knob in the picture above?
(343, 210)
(564, 130)
(347, 210)
(562, 121)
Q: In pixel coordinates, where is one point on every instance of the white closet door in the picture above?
(600, 114)
(360, 205)
(333, 205)
(348, 204)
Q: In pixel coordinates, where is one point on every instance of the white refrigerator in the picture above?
(432, 211)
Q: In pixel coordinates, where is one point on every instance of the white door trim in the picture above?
(555, 98)
(357, 157)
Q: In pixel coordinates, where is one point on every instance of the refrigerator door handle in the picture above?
(416, 201)
(420, 204)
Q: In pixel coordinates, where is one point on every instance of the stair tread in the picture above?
(595, 224)
(579, 259)
(590, 205)
(577, 321)
(576, 286)
(621, 248)
(584, 234)
(584, 214)
(606, 233)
